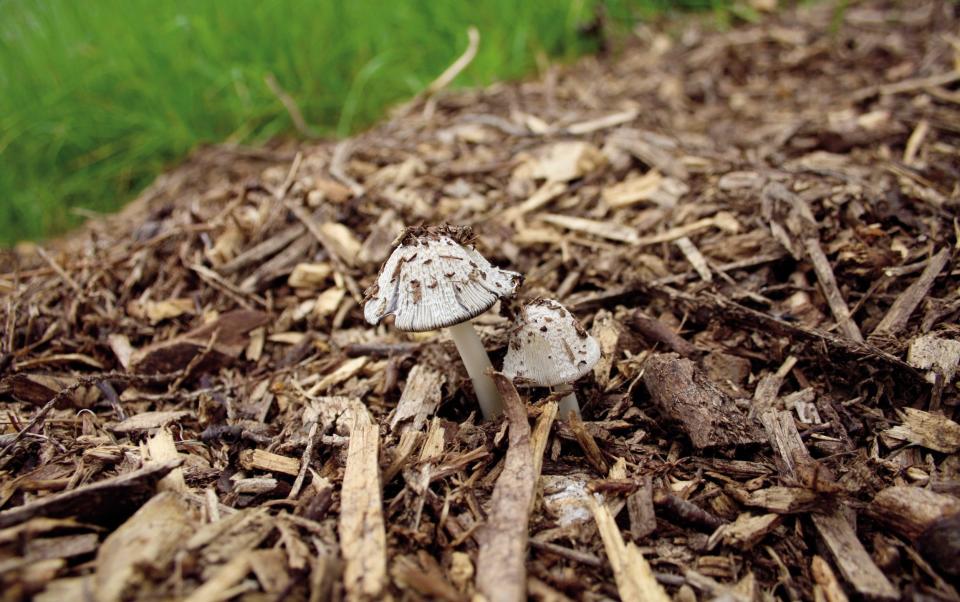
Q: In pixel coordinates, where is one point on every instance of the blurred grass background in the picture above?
(97, 98)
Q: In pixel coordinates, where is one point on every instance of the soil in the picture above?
(758, 226)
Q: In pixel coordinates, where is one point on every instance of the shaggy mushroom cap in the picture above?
(435, 278)
(549, 346)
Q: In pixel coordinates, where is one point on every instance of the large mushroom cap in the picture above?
(549, 346)
(434, 278)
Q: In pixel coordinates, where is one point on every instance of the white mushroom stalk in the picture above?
(435, 279)
(549, 348)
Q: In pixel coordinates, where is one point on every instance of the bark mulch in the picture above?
(759, 226)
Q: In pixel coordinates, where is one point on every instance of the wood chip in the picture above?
(932, 431)
(151, 537)
(635, 580)
(258, 459)
(707, 414)
(362, 534)
(501, 573)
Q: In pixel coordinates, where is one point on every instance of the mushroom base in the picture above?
(568, 403)
(477, 362)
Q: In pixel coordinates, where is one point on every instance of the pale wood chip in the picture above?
(932, 431)
(419, 399)
(635, 580)
(162, 449)
(258, 459)
(149, 420)
(151, 537)
(603, 229)
(362, 534)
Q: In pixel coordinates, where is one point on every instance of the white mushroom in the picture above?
(549, 348)
(435, 279)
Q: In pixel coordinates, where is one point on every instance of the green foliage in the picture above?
(98, 97)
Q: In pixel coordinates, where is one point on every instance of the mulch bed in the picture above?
(759, 227)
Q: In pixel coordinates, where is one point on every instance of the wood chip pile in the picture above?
(759, 227)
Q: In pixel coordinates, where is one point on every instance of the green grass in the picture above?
(97, 97)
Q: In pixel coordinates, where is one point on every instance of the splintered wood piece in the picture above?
(362, 535)
(403, 451)
(163, 449)
(746, 531)
(932, 431)
(643, 517)
(549, 191)
(910, 510)
(216, 587)
(427, 580)
(501, 568)
(828, 282)
(826, 580)
(346, 370)
(723, 220)
(433, 445)
(768, 387)
(606, 330)
(587, 443)
(419, 399)
(65, 546)
(151, 537)
(258, 459)
(105, 501)
(145, 421)
(657, 332)
(854, 562)
(601, 229)
(541, 435)
(707, 414)
(899, 313)
(635, 579)
(695, 257)
(263, 250)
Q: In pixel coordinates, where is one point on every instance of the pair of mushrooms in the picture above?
(436, 279)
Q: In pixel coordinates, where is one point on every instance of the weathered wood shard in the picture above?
(501, 566)
(149, 538)
(103, 502)
(362, 533)
(216, 344)
(707, 414)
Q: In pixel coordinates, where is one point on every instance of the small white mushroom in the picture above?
(435, 279)
(549, 348)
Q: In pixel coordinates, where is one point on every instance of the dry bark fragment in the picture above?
(635, 580)
(707, 414)
(501, 565)
(151, 537)
(105, 501)
(929, 430)
(362, 534)
(911, 510)
(419, 399)
(643, 518)
(258, 459)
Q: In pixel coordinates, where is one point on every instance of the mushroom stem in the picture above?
(477, 362)
(568, 403)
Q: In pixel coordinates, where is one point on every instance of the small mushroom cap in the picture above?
(434, 278)
(549, 346)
